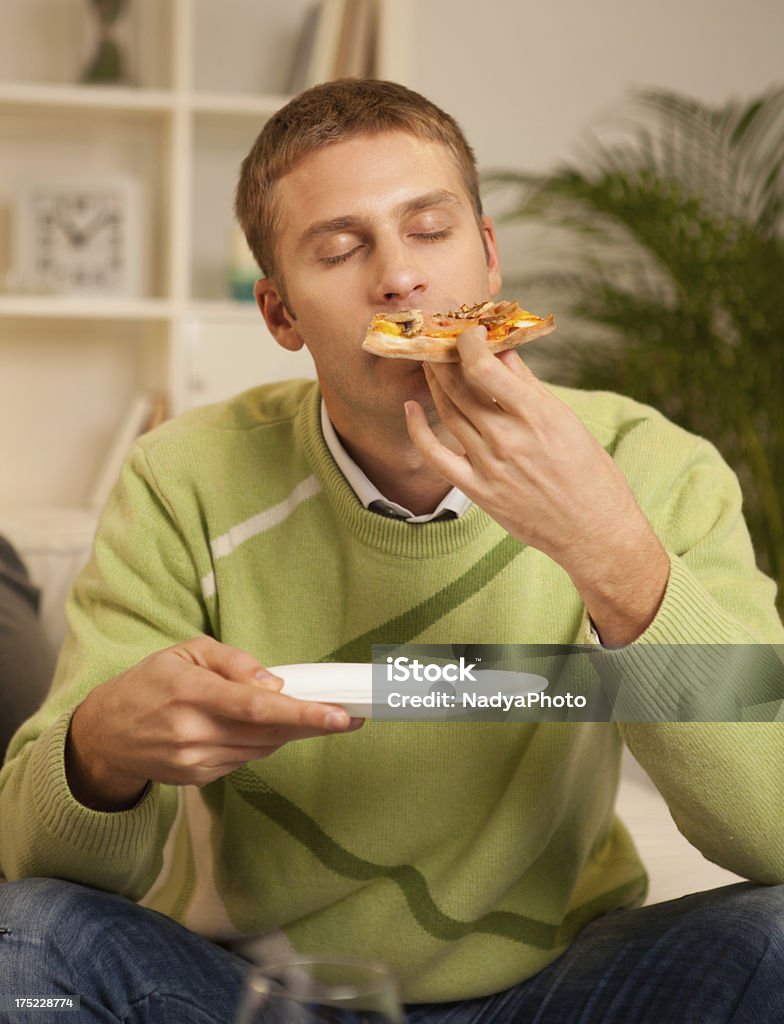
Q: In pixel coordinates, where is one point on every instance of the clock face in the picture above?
(79, 241)
(80, 238)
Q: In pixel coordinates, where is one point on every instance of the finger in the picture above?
(277, 735)
(223, 760)
(504, 384)
(265, 680)
(202, 765)
(454, 418)
(512, 359)
(464, 392)
(463, 408)
(242, 702)
(230, 662)
(232, 735)
(220, 761)
(472, 389)
(278, 712)
(454, 468)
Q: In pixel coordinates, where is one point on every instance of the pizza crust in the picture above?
(444, 350)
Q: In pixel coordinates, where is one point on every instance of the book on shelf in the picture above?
(303, 54)
(337, 40)
(355, 57)
(325, 42)
(147, 410)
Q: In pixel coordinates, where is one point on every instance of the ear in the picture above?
(281, 324)
(493, 259)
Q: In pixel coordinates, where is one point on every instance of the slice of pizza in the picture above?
(432, 337)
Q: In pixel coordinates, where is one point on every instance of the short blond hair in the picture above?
(321, 116)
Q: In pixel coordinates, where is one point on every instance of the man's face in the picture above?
(376, 223)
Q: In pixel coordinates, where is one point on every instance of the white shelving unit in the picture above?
(206, 75)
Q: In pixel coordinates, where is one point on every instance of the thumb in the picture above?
(232, 663)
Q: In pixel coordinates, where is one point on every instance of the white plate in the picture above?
(347, 684)
(350, 686)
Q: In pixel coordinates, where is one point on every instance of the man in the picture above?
(259, 533)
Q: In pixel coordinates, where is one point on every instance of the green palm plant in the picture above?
(670, 270)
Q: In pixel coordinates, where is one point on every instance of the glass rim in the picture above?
(378, 977)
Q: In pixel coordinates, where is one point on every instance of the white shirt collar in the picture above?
(366, 490)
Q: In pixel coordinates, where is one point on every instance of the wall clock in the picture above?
(80, 236)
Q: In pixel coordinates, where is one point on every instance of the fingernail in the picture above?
(337, 720)
(265, 676)
(408, 406)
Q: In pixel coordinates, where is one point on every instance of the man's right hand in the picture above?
(185, 716)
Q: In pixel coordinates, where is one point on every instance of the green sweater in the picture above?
(466, 855)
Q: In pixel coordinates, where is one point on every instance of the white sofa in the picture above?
(54, 544)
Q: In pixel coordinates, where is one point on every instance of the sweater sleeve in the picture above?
(722, 780)
(139, 593)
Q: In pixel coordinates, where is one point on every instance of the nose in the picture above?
(399, 274)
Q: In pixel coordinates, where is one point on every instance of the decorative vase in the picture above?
(107, 65)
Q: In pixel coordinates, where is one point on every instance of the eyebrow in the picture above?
(438, 197)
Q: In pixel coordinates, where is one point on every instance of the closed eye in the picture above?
(434, 236)
(333, 261)
(426, 236)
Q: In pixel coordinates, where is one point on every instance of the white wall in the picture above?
(524, 79)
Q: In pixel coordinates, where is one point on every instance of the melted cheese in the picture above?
(452, 329)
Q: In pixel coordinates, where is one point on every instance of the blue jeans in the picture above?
(712, 957)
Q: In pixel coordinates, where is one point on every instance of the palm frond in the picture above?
(674, 258)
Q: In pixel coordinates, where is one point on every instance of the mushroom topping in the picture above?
(411, 320)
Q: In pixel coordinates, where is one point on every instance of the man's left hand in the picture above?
(532, 465)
